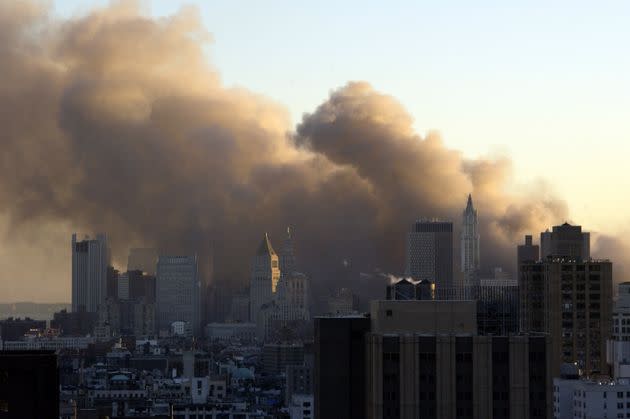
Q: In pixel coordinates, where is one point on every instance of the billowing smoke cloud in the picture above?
(116, 122)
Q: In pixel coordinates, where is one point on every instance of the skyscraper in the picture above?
(178, 291)
(565, 241)
(527, 252)
(470, 242)
(265, 277)
(430, 252)
(90, 259)
(287, 254)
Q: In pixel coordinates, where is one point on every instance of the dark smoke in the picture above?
(115, 122)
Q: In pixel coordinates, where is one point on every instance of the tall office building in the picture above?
(178, 292)
(527, 252)
(90, 259)
(469, 246)
(618, 346)
(565, 241)
(287, 254)
(430, 253)
(265, 277)
(340, 369)
(142, 259)
(572, 301)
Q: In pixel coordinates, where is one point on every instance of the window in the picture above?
(388, 313)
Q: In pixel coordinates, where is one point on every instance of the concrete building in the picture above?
(469, 245)
(572, 301)
(425, 359)
(618, 346)
(90, 259)
(265, 277)
(340, 369)
(430, 253)
(565, 241)
(178, 292)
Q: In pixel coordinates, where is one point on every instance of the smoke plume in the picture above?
(115, 122)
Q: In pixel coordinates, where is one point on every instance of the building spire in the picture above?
(265, 247)
(469, 204)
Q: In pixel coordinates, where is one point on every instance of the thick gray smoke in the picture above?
(116, 122)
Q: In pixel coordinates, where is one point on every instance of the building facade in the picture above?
(565, 241)
(572, 301)
(90, 259)
(178, 292)
(430, 252)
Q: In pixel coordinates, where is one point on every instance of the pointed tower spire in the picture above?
(265, 248)
(469, 204)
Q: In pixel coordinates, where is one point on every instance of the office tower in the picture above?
(572, 301)
(426, 360)
(90, 260)
(498, 305)
(527, 252)
(112, 282)
(178, 292)
(123, 286)
(430, 253)
(141, 286)
(29, 384)
(287, 254)
(565, 241)
(340, 369)
(142, 259)
(265, 277)
(470, 243)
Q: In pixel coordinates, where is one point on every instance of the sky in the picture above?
(546, 83)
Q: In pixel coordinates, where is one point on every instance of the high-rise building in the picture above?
(527, 252)
(340, 369)
(618, 346)
(287, 254)
(430, 253)
(572, 301)
(142, 259)
(565, 241)
(469, 246)
(265, 277)
(178, 292)
(90, 260)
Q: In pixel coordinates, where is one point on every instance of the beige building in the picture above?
(425, 360)
(265, 277)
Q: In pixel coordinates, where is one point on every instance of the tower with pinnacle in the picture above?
(264, 278)
(470, 242)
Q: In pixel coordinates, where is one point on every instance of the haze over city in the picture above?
(198, 129)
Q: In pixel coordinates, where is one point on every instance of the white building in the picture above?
(90, 259)
(575, 398)
(178, 296)
(265, 277)
(618, 346)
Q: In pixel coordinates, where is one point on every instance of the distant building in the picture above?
(571, 300)
(408, 289)
(276, 357)
(469, 246)
(299, 380)
(239, 309)
(79, 323)
(231, 332)
(430, 253)
(29, 384)
(16, 328)
(300, 406)
(264, 278)
(618, 346)
(178, 292)
(565, 241)
(90, 260)
(342, 302)
(143, 259)
(287, 255)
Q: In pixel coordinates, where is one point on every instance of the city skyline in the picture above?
(144, 91)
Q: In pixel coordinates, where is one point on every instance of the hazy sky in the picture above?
(547, 83)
